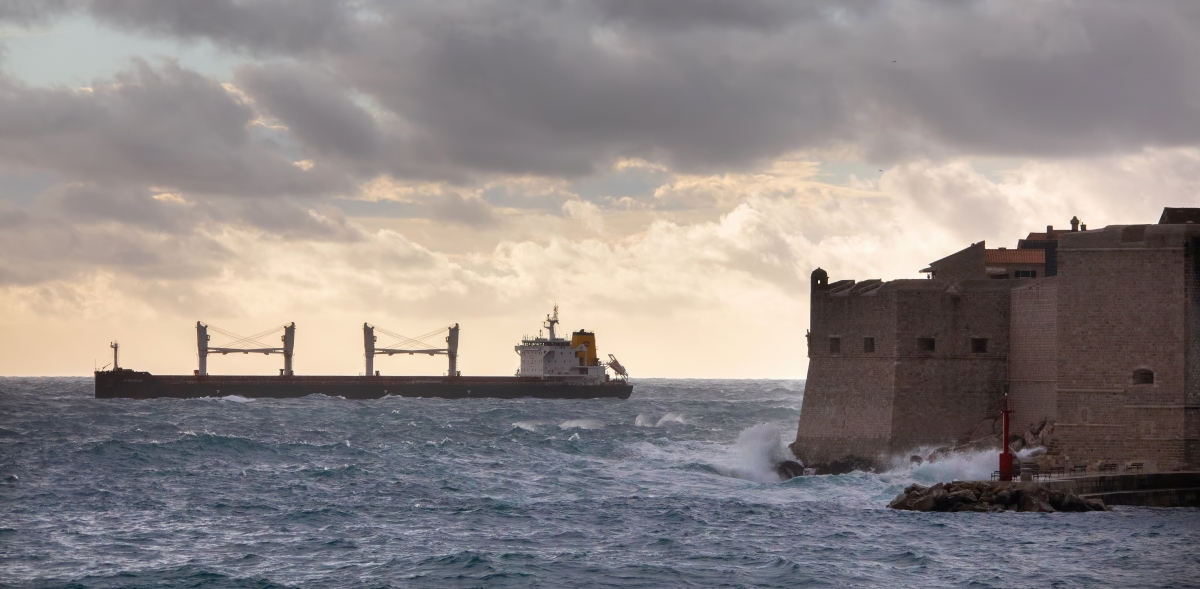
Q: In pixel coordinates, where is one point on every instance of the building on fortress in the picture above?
(1097, 331)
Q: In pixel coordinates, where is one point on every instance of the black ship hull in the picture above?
(129, 384)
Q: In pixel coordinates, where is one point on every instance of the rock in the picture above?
(1033, 501)
(1096, 504)
(927, 501)
(917, 460)
(789, 469)
(962, 496)
(845, 465)
(991, 497)
(1017, 445)
(1030, 438)
(1073, 503)
(1037, 430)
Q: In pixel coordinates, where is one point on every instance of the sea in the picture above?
(674, 487)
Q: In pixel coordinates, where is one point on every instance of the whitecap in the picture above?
(671, 418)
(581, 424)
(528, 426)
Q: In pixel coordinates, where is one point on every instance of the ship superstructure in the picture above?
(554, 356)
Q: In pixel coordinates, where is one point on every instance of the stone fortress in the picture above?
(1096, 332)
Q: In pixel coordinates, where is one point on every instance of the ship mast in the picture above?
(551, 321)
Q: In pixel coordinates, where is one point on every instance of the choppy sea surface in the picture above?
(671, 488)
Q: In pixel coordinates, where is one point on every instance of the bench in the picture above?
(1058, 471)
(1108, 467)
(1134, 467)
(1079, 469)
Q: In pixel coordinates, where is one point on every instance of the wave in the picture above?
(581, 424)
(222, 399)
(960, 466)
(751, 457)
(644, 420)
(754, 456)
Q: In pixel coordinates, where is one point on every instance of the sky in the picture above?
(667, 172)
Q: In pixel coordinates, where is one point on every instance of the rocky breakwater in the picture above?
(991, 497)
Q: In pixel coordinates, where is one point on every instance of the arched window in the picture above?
(1143, 376)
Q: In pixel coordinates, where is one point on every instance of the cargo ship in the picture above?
(551, 367)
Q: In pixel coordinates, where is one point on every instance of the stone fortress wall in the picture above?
(1102, 337)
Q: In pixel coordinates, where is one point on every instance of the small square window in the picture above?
(979, 345)
(835, 345)
(868, 345)
(926, 344)
(1025, 273)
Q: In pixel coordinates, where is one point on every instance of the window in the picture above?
(835, 345)
(868, 345)
(1025, 274)
(1143, 376)
(926, 344)
(979, 345)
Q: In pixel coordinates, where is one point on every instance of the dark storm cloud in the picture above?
(561, 88)
(316, 108)
(292, 26)
(163, 126)
(454, 90)
(26, 12)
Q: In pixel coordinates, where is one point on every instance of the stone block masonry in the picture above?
(1108, 348)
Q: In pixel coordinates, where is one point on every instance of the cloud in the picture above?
(163, 126)
(567, 88)
(286, 26)
(585, 212)
(316, 109)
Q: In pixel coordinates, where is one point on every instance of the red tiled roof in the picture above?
(1029, 256)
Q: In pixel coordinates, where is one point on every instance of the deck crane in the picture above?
(244, 345)
(413, 345)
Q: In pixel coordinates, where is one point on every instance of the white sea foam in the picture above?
(754, 455)
(581, 424)
(965, 466)
(237, 399)
(644, 420)
(528, 426)
(671, 418)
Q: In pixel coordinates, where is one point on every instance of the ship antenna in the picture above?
(552, 321)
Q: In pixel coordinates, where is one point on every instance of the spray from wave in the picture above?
(643, 420)
(581, 424)
(754, 456)
(976, 465)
